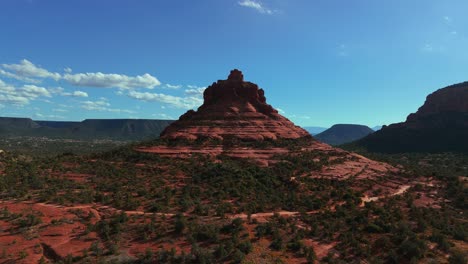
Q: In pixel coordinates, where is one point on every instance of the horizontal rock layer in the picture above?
(236, 109)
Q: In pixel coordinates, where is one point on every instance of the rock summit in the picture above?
(233, 108)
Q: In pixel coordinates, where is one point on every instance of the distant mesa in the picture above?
(89, 129)
(343, 133)
(439, 125)
(233, 108)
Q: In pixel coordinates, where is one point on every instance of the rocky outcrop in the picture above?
(453, 98)
(237, 109)
(440, 125)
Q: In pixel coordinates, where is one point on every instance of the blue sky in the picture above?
(321, 62)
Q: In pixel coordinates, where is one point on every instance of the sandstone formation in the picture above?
(236, 109)
(453, 98)
(440, 125)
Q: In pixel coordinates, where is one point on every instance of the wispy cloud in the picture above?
(33, 91)
(62, 92)
(281, 111)
(94, 105)
(19, 96)
(300, 116)
(447, 19)
(18, 77)
(431, 48)
(103, 80)
(259, 7)
(103, 106)
(194, 90)
(176, 101)
(79, 94)
(27, 69)
(163, 116)
(39, 115)
(343, 50)
(170, 86)
(60, 110)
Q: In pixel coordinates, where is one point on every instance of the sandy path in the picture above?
(400, 191)
(365, 199)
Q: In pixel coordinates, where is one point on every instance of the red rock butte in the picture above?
(234, 108)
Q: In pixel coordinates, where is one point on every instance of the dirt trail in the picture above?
(365, 199)
(400, 191)
(261, 215)
(147, 213)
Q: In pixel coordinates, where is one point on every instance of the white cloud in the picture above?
(170, 86)
(61, 91)
(195, 90)
(21, 96)
(102, 106)
(179, 102)
(6, 88)
(27, 69)
(94, 105)
(256, 5)
(33, 91)
(79, 94)
(111, 80)
(60, 110)
(13, 99)
(39, 115)
(163, 116)
(18, 77)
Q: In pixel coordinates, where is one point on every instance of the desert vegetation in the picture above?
(136, 207)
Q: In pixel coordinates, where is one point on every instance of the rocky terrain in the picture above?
(343, 133)
(233, 182)
(439, 125)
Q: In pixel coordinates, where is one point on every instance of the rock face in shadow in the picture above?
(343, 133)
(234, 108)
(440, 125)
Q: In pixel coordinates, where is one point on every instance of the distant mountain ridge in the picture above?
(439, 125)
(314, 130)
(115, 129)
(343, 133)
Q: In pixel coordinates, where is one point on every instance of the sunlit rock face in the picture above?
(234, 108)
